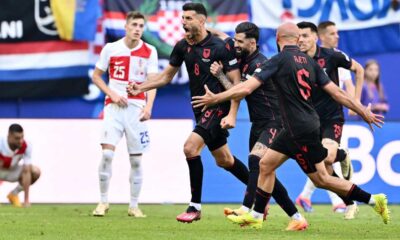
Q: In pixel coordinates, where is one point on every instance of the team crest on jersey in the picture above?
(206, 52)
(321, 62)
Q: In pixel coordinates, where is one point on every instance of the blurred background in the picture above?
(48, 49)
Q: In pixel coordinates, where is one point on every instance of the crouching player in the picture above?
(13, 149)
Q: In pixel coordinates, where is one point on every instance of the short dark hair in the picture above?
(197, 7)
(249, 29)
(15, 127)
(322, 26)
(134, 15)
(309, 25)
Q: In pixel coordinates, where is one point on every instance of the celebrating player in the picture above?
(294, 75)
(199, 49)
(329, 111)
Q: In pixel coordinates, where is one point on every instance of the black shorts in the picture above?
(209, 128)
(332, 129)
(307, 150)
(263, 132)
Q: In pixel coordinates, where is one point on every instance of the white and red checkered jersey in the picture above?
(128, 65)
(10, 158)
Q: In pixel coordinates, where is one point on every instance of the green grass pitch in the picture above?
(75, 222)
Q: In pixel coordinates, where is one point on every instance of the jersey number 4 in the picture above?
(305, 89)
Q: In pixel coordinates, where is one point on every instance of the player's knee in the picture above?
(190, 150)
(223, 163)
(35, 173)
(264, 168)
(136, 161)
(104, 175)
(107, 155)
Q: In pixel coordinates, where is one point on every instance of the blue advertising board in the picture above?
(375, 156)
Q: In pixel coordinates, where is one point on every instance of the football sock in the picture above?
(196, 177)
(308, 189)
(17, 189)
(105, 172)
(195, 205)
(296, 216)
(281, 197)
(262, 199)
(135, 179)
(335, 199)
(356, 193)
(340, 155)
(239, 170)
(244, 208)
(254, 170)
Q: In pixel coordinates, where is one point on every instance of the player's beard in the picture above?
(192, 33)
(243, 53)
(278, 47)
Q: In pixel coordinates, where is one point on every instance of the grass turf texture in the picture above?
(75, 222)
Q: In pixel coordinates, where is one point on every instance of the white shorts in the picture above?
(118, 121)
(12, 174)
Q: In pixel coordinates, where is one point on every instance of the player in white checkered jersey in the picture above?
(127, 60)
(16, 164)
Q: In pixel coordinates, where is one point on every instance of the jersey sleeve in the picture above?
(228, 56)
(27, 158)
(104, 59)
(267, 70)
(342, 60)
(153, 61)
(177, 55)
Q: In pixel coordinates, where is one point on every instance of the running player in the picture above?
(294, 75)
(264, 116)
(330, 112)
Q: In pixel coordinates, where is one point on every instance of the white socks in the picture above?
(135, 179)
(308, 189)
(335, 199)
(297, 216)
(17, 189)
(105, 172)
(195, 205)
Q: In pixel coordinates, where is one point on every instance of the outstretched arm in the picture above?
(218, 33)
(343, 98)
(359, 71)
(153, 81)
(239, 91)
(230, 120)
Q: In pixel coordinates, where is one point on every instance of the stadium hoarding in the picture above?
(68, 153)
(375, 157)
